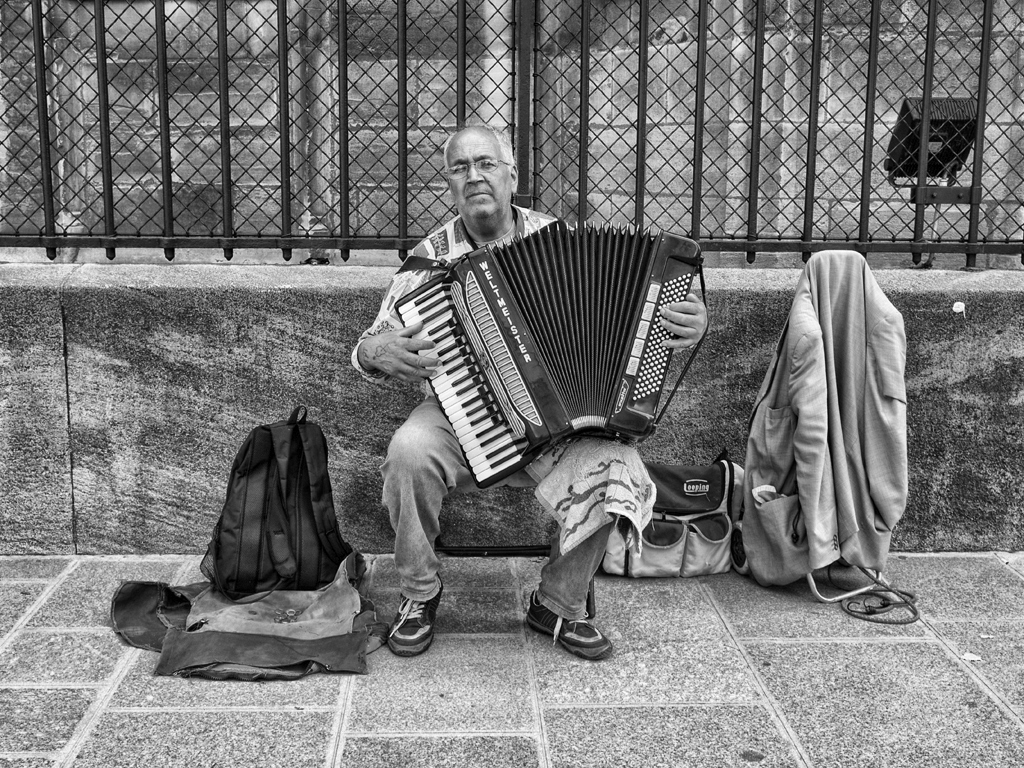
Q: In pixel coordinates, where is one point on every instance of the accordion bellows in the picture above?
(552, 334)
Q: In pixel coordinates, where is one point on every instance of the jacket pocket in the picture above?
(891, 381)
(889, 354)
(775, 541)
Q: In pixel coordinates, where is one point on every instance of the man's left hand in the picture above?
(686, 319)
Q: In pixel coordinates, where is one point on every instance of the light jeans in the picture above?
(424, 464)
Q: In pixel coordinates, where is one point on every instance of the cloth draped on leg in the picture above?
(587, 482)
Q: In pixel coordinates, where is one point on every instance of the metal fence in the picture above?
(749, 126)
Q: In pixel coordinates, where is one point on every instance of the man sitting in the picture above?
(424, 461)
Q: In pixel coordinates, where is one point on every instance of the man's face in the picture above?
(480, 196)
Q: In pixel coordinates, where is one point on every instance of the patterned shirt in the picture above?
(446, 245)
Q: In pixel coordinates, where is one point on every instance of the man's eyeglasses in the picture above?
(484, 166)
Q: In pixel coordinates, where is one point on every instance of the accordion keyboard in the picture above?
(490, 444)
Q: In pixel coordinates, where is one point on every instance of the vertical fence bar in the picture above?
(163, 105)
(537, 134)
(698, 118)
(43, 115)
(461, 23)
(103, 107)
(284, 124)
(755, 125)
(525, 35)
(812, 124)
(926, 119)
(979, 140)
(870, 97)
(641, 115)
(223, 85)
(581, 203)
(344, 222)
(403, 128)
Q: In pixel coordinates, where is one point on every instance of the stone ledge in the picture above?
(125, 392)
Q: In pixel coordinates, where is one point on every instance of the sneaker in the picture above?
(578, 636)
(413, 629)
(737, 554)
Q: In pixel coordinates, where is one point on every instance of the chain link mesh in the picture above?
(617, 133)
(808, 179)
(20, 148)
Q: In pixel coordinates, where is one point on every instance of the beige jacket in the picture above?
(826, 463)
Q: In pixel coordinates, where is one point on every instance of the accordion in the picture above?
(552, 334)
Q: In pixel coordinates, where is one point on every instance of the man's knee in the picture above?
(423, 451)
(413, 447)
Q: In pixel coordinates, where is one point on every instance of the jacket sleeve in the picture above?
(885, 419)
(809, 400)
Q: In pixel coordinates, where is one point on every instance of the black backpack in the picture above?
(278, 529)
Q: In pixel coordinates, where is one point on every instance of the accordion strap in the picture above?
(693, 352)
(420, 262)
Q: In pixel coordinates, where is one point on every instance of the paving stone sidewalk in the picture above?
(709, 672)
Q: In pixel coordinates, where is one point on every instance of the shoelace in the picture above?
(409, 609)
(558, 631)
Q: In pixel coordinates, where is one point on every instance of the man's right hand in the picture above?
(398, 355)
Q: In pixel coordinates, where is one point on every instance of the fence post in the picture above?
(984, 65)
(926, 116)
(1007, 109)
(309, 87)
(525, 39)
(495, 66)
(75, 166)
(556, 113)
(723, 63)
(760, 8)
(5, 136)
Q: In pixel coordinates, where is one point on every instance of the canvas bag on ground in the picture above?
(690, 533)
(276, 635)
(278, 528)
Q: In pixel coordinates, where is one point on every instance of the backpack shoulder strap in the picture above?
(278, 544)
(315, 452)
(314, 445)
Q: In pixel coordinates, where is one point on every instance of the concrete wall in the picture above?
(125, 392)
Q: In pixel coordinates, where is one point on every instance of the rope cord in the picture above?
(875, 605)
